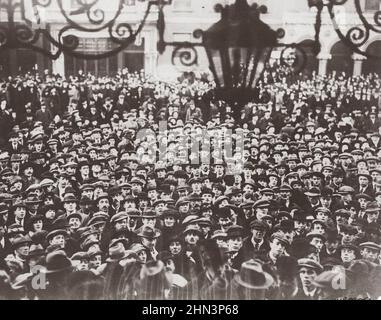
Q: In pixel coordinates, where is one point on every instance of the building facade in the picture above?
(182, 18)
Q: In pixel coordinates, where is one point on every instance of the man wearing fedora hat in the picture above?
(252, 282)
(148, 237)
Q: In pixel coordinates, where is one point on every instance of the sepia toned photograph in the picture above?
(203, 151)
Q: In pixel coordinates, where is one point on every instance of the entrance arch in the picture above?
(341, 60)
(373, 65)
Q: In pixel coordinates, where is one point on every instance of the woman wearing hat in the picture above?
(35, 224)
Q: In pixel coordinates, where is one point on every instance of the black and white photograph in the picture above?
(190, 150)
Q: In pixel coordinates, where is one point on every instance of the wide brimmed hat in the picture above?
(56, 232)
(252, 276)
(57, 261)
(150, 233)
(69, 198)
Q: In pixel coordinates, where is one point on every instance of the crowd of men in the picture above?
(132, 188)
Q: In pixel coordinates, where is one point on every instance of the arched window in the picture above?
(373, 65)
(341, 60)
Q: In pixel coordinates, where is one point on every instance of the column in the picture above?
(58, 65)
(323, 62)
(120, 60)
(357, 64)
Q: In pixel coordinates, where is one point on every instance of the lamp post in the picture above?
(238, 47)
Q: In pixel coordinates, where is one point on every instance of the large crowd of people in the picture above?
(130, 188)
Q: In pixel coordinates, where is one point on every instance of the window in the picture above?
(129, 2)
(182, 5)
(372, 5)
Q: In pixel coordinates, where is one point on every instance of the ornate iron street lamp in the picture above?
(238, 46)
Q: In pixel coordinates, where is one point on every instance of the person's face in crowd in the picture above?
(169, 221)
(318, 228)
(372, 217)
(149, 222)
(142, 256)
(104, 205)
(70, 206)
(184, 209)
(362, 202)
(277, 248)
(196, 187)
(219, 170)
(223, 203)
(85, 171)
(371, 164)
(337, 180)
(161, 174)
(136, 187)
(74, 223)
(22, 250)
(159, 208)
(207, 198)
(347, 197)
(363, 181)
(327, 173)
(175, 247)
(375, 176)
(225, 222)
(192, 238)
(93, 155)
(152, 195)
(50, 214)
(322, 216)
(348, 237)
(370, 254)
(326, 202)
(307, 276)
(38, 146)
(317, 243)
(258, 234)
(95, 261)
(20, 212)
(347, 255)
(121, 225)
(88, 193)
(58, 240)
(285, 195)
(149, 243)
(315, 181)
(217, 192)
(235, 243)
(38, 225)
(236, 199)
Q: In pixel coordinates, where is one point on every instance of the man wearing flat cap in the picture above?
(255, 245)
(370, 251)
(308, 270)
